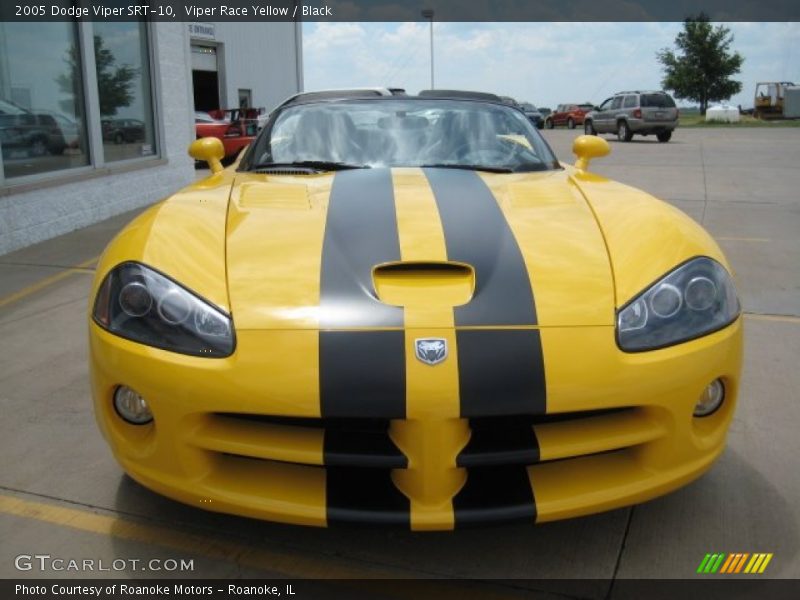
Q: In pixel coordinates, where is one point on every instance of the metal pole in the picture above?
(428, 14)
(432, 85)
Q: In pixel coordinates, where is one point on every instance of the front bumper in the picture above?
(244, 435)
(649, 127)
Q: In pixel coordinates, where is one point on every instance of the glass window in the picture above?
(123, 86)
(407, 132)
(630, 102)
(616, 103)
(657, 101)
(42, 126)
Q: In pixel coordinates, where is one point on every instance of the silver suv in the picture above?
(629, 113)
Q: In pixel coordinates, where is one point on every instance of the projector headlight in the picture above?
(695, 299)
(141, 304)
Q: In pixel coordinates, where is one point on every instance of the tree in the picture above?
(702, 68)
(114, 83)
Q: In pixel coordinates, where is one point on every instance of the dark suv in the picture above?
(634, 113)
(31, 133)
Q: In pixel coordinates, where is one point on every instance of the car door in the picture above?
(565, 113)
(614, 112)
(601, 117)
(554, 115)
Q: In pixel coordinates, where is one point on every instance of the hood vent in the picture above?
(411, 283)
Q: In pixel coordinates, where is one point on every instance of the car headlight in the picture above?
(141, 304)
(693, 300)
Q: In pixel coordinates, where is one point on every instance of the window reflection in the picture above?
(123, 86)
(42, 125)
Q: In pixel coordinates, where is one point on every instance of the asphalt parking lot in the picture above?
(62, 494)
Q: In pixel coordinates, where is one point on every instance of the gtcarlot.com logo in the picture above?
(735, 563)
(46, 562)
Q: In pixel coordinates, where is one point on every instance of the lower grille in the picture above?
(527, 440)
(331, 442)
(354, 468)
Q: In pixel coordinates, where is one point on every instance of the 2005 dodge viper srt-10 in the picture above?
(404, 310)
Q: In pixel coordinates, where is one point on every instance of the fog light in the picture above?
(131, 406)
(710, 400)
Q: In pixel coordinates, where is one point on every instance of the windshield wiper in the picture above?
(314, 165)
(486, 168)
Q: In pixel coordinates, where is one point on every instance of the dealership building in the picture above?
(95, 117)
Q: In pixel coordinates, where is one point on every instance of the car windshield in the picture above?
(401, 132)
(586, 106)
(657, 101)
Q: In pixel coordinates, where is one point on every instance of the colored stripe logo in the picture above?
(734, 563)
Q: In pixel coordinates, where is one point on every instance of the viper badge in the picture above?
(431, 351)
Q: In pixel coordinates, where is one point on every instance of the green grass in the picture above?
(698, 120)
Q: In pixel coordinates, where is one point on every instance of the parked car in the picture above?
(533, 114)
(69, 125)
(635, 113)
(570, 115)
(406, 311)
(510, 101)
(544, 111)
(123, 131)
(229, 126)
(31, 133)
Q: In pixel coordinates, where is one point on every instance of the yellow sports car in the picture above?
(405, 310)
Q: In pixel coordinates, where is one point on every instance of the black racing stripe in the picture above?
(495, 494)
(361, 448)
(360, 232)
(500, 441)
(477, 233)
(501, 372)
(356, 495)
(362, 374)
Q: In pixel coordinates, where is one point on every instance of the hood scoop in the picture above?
(412, 283)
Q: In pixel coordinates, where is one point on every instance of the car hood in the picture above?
(357, 249)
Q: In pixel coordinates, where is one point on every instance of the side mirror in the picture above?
(587, 147)
(210, 150)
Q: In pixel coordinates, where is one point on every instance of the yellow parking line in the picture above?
(47, 281)
(777, 318)
(283, 562)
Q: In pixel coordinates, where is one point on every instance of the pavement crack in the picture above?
(621, 551)
(767, 314)
(46, 265)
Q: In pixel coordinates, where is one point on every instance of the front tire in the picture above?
(570, 123)
(588, 128)
(664, 136)
(624, 133)
(549, 123)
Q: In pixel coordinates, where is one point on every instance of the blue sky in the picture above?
(543, 63)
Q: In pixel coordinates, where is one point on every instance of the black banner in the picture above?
(708, 587)
(396, 10)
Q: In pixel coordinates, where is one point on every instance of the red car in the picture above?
(233, 132)
(568, 114)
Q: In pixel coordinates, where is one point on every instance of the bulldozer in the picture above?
(777, 100)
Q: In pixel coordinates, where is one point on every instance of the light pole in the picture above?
(428, 14)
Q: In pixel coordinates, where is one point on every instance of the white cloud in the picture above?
(544, 63)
